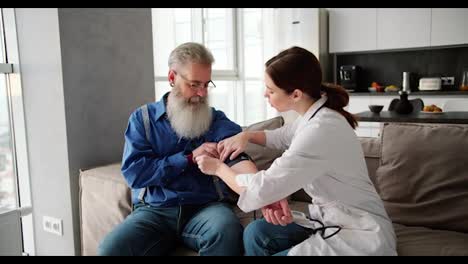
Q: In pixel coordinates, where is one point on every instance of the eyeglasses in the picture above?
(196, 85)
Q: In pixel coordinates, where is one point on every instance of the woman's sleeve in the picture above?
(280, 138)
(304, 161)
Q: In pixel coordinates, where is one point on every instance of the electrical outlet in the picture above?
(52, 225)
(448, 80)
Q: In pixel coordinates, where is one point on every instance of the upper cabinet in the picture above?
(399, 28)
(304, 27)
(449, 26)
(352, 29)
(371, 29)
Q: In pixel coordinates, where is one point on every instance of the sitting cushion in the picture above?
(264, 156)
(421, 241)
(423, 177)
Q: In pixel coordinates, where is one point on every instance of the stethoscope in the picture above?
(317, 110)
(302, 216)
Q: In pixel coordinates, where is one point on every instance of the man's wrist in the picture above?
(190, 158)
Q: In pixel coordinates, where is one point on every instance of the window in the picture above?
(241, 42)
(14, 172)
(8, 195)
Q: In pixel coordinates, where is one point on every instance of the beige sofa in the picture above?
(420, 171)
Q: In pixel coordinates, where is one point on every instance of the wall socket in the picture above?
(448, 80)
(52, 225)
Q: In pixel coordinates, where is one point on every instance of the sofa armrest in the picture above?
(105, 201)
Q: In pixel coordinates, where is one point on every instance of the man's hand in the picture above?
(278, 213)
(208, 149)
(208, 165)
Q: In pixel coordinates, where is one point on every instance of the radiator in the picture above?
(10, 233)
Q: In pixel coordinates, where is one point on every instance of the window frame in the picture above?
(198, 31)
(17, 121)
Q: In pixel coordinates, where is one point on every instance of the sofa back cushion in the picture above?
(104, 203)
(423, 175)
(264, 156)
(371, 149)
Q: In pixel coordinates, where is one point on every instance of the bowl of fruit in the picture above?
(376, 87)
(432, 109)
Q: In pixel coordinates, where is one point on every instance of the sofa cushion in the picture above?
(105, 198)
(104, 203)
(423, 177)
(264, 156)
(420, 241)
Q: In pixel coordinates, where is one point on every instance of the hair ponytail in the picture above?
(337, 99)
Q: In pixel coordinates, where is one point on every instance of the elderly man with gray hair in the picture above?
(173, 201)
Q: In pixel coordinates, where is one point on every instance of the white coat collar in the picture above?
(315, 107)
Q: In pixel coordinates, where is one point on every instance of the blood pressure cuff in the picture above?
(241, 157)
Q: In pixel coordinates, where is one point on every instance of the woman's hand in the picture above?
(208, 165)
(207, 148)
(235, 145)
(278, 213)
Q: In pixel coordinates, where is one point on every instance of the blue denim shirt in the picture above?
(161, 164)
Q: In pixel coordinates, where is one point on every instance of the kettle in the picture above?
(403, 106)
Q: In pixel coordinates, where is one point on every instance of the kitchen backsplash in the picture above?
(387, 67)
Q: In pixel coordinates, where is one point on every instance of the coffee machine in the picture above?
(349, 77)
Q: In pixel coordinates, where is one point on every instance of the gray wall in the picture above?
(107, 58)
(107, 66)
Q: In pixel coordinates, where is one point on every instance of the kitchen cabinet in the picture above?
(370, 29)
(303, 27)
(352, 29)
(399, 28)
(449, 26)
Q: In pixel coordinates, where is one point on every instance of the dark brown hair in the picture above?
(298, 68)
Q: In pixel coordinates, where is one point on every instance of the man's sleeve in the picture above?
(224, 127)
(141, 167)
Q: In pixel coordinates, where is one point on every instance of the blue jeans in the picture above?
(212, 229)
(264, 239)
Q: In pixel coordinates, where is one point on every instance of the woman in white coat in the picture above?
(323, 156)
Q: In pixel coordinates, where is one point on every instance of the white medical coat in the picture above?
(324, 157)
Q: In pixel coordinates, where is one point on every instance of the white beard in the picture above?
(189, 119)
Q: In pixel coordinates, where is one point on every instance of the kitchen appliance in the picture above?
(406, 82)
(430, 84)
(464, 81)
(349, 77)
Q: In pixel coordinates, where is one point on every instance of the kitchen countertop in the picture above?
(418, 117)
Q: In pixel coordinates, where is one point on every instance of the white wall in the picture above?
(41, 71)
